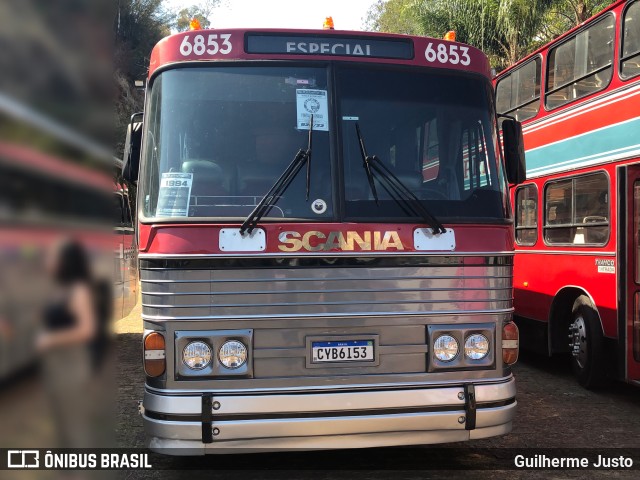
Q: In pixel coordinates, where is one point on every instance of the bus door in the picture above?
(629, 268)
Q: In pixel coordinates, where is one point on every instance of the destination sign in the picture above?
(329, 45)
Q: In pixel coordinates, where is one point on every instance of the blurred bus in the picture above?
(56, 184)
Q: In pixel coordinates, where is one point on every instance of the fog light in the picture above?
(233, 354)
(196, 355)
(445, 348)
(476, 347)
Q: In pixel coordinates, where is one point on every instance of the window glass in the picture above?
(577, 210)
(526, 215)
(636, 226)
(518, 93)
(631, 41)
(582, 65)
(436, 133)
(220, 137)
(430, 152)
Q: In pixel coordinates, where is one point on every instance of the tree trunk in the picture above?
(582, 12)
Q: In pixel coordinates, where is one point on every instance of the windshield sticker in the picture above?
(174, 194)
(319, 206)
(301, 82)
(312, 102)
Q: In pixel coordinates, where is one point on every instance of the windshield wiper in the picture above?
(397, 190)
(281, 185)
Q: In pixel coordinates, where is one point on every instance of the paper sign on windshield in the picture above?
(312, 102)
(174, 194)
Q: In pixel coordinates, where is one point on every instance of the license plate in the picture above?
(342, 351)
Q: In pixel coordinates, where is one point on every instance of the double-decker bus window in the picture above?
(230, 133)
(526, 215)
(518, 94)
(577, 210)
(558, 207)
(582, 65)
(630, 60)
(434, 132)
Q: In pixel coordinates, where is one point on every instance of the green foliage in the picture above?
(397, 16)
(138, 26)
(506, 30)
(187, 14)
(201, 12)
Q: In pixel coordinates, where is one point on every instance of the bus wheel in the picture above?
(586, 344)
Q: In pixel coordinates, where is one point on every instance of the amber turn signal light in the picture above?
(154, 354)
(510, 343)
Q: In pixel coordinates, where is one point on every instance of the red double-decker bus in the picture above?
(358, 295)
(577, 265)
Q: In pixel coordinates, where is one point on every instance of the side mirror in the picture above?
(514, 151)
(132, 146)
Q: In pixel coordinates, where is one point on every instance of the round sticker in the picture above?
(319, 206)
(311, 105)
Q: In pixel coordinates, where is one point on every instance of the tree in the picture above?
(201, 12)
(138, 26)
(506, 30)
(397, 16)
(185, 16)
(566, 14)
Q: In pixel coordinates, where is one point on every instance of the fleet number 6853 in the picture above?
(212, 46)
(448, 55)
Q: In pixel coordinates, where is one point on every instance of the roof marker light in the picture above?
(194, 24)
(328, 23)
(450, 36)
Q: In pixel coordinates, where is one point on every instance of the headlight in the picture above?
(233, 354)
(445, 348)
(196, 355)
(476, 347)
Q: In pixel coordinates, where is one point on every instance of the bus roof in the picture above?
(272, 44)
(559, 39)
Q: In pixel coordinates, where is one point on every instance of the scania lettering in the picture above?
(325, 243)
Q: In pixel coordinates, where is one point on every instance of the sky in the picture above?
(347, 14)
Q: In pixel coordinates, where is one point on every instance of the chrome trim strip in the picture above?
(330, 315)
(568, 252)
(308, 304)
(328, 402)
(315, 279)
(334, 431)
(346, 290)
(334, 388)
(162, 256)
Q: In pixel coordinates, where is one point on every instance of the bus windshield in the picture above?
(218, 137)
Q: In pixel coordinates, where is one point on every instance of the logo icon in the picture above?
(23, 459)
(319, 206)
(311, 105)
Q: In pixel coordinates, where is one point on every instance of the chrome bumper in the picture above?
(209, 423)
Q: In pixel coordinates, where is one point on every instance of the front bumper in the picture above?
(181, 424)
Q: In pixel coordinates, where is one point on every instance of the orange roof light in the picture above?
(328, 23)
(194, 24)
(450, 35)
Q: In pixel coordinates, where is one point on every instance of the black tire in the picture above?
(586, 344)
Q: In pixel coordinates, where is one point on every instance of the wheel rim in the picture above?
(578, 341)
